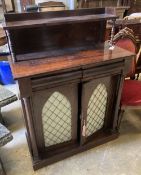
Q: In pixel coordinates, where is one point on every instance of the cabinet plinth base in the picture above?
(37, 164)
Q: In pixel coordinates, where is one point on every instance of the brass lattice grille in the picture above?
(96, 109)
(56, 119)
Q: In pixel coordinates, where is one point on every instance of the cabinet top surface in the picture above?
(77, 60)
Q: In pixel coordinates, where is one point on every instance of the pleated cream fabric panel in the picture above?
(96, 109)
(56, 119)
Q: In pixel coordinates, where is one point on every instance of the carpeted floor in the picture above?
(119, 157)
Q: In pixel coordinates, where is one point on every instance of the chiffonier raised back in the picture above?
(69, 80)
(55, 33)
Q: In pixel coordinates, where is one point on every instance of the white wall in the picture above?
(17, 5)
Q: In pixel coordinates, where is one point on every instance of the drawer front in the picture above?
(48, 81)
(114, 68)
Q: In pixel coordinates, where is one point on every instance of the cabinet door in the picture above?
(56, 115)
(98, 102)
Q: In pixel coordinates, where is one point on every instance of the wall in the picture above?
(17, 5)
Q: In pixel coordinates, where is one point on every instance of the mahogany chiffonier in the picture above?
(69, 81)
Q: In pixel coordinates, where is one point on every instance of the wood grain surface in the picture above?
(54, 64)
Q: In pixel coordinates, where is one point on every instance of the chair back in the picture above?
(126, 40)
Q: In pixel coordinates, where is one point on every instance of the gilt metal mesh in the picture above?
(56, 119)
(96, 109)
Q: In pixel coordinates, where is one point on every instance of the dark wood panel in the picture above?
(47, 81)
(54, 14)
(135, 6)
(48, 41)
(41, 35)
(57, 21)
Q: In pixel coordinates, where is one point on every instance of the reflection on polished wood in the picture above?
(77, 60)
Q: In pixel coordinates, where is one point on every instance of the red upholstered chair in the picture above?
(131, 92)
(126, 40)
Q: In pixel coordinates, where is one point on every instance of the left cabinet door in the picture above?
(55, 113)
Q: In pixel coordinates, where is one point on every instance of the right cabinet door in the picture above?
(99, 100)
